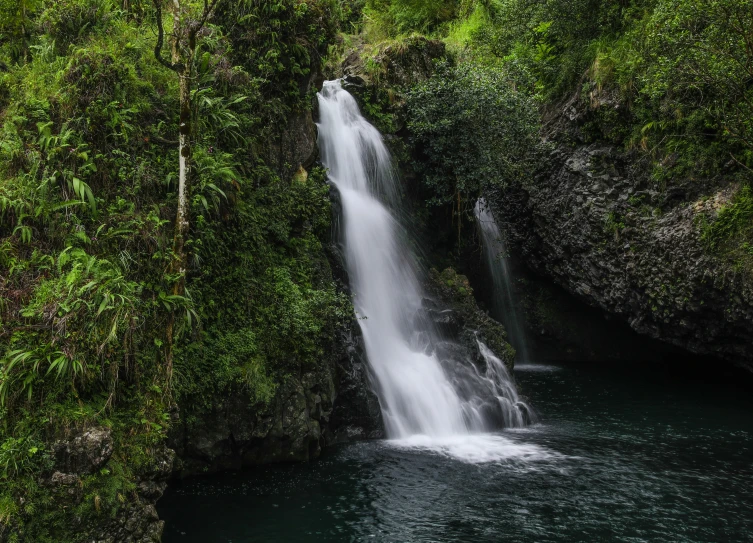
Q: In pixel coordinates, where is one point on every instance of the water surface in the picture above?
(621, 454)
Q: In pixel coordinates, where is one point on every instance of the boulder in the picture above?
(85, 452)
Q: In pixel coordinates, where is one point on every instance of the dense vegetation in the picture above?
(671, 80)
(470, 99)
(98, 324)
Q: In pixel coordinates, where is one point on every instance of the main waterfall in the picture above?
(419, 394)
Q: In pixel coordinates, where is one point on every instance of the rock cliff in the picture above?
(594, 222)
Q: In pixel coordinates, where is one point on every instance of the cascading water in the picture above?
(420, 393)
(496, 259)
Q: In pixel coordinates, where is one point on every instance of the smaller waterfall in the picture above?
(496, 259)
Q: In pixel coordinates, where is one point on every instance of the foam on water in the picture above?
(477, 448)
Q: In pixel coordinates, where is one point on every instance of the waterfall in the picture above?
(420, 393)
(503, 307)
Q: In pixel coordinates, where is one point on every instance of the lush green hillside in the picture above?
(670, 79)
(100, 325)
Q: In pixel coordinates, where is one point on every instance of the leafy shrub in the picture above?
(474, 132)
(70, 21)
(733, 225)
(402, 16)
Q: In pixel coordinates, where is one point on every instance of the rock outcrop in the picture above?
(237, 432)
(82, 453)
(356, 413)
(595, 223)
(454, 312)
(398, 65)
(85, 452)
(332, 404)
(138, 521)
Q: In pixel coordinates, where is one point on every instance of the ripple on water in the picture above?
(536, 367)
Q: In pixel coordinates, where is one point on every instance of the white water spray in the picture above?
(419, 393)
(496, 261)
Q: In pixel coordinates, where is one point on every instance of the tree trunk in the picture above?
(184, 36)
(179, 258)
(184, 172)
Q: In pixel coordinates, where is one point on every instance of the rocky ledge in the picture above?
(453, 311)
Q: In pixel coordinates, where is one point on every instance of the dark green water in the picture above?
(633, 454)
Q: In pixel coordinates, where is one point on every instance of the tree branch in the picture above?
(740, 163)
(160, 40)
(208, 9)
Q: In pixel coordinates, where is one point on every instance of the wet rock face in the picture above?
(331, 405)
(356, 414)
(595, 224)
(453, 311)
(238, 432)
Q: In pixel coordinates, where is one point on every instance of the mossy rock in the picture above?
(454, 291)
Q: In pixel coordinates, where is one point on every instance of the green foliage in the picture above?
(86, 303)
(688, 66)
(88, 155)
(732, 230)
(401, 16)
(552, 38)
(473, 131)
(669, 77)
(69, 21)
(19, 457)
(682, 68)
(291, 310)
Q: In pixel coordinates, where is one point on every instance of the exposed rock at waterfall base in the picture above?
(454, 311)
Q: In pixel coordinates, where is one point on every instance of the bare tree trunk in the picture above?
(179, 257)
(184, 173)
(185, 31)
